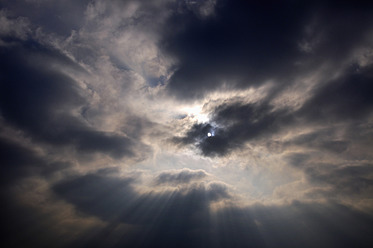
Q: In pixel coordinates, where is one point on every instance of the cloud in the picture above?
(52, 16)
(20, 160)
(127, 31)
(249, 44)
(267, 106)
(180, 177)
(326, 138)
(348, 180)
(13, 27)
(115, 199)
(344, 99)
(14, 160)
(202, 9)
(234, 124)
(187, 217)
(42, 100)
(30, 222)
(221, 51)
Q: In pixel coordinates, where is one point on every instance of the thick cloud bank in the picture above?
(184, 123)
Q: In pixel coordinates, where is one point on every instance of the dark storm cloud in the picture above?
(165, 219)
(113, 198)
(14, 159)
(23, 227)
(240, 43)
(54, 16)
(234, 124)
(345, 101)
(196, 133)
(39, 99)
(180, 177)
(246, 43)
(184, 219)
(18, 161)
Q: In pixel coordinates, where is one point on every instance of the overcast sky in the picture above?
(186, 123)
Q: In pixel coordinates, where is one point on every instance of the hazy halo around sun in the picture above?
(197, 113)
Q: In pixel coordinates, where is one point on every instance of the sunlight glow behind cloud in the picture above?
(179, 123)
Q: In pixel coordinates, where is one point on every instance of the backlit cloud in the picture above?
(182, 123)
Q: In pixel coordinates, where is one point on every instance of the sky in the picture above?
(185, 123)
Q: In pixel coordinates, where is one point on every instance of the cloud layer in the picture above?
(182, 123)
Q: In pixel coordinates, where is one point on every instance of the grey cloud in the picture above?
(322, 139)
(127, 32)
(242, 47)
(223, 44)
(202, 9)
(13, 26)
(180, 177)
(293, 225)
(18, 161)
(235, 124)
(326, 31)
(124, 201)
(14, 159)
(54, 16)
(40, 100)
(298, 159)
(136, 126)
(344, 101)
(350, 179)
(239, 45)
(334, 156)
(217, 191)
(355, 181)
(211, 56)
(172, 219)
